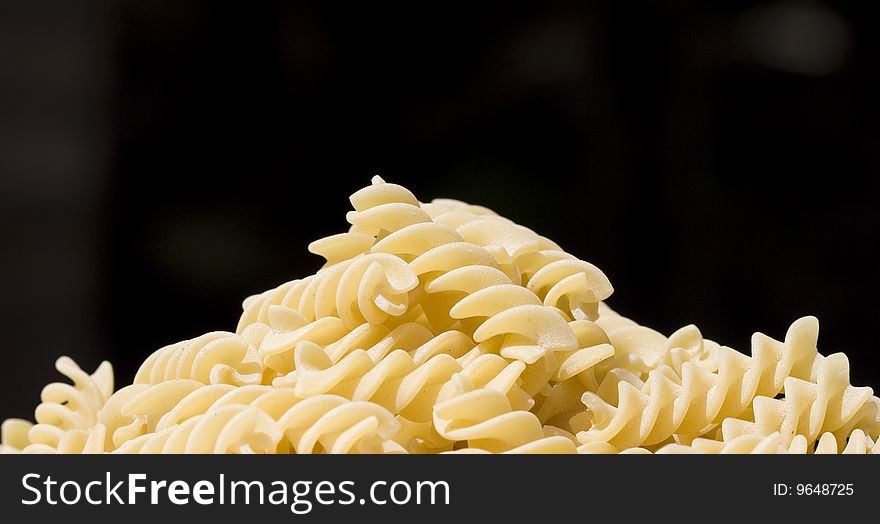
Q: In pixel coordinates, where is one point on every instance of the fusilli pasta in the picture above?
(442, 327)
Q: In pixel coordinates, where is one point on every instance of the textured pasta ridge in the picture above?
(66, 414)
(269, 420)
(857, 443)
(442, 327)
(640, 349)
(828, 406)
(626, 411)
(213, 358)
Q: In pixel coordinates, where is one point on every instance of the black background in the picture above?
(160, 161)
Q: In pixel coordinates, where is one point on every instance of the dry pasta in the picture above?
(442, 327)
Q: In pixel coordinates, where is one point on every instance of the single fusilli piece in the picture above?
(67, 411)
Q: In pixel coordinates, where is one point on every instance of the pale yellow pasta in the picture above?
(379, 207)
(213, 358)
(66, 414)
(324, 423)
(442, 327)
(135, 410)
(826, 405)
(857, 443)
(626, 411)
(485, 420)
(14, 435)
(395, 381)
(231, 429)
(641, 349)
(223, 418)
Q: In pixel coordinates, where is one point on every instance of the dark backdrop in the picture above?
(162, 160)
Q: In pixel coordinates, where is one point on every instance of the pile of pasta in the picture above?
(442, 327)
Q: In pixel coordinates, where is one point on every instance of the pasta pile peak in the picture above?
(442, 327)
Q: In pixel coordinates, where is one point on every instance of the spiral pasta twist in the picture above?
(67, 411)
(558, 278)
(641, 349)
(395, 381)
(857, 443)
(828, 405)
(278, 343)
(512, 321)
(485, 407)
(560, 399)
(213, 358)
(231, 429)
(379, 209)
(335, 425)
(626, 411)
(562, 280)
(485, 420)
(370, 287)
(261, 419)
(406, 381)
(442, 327)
